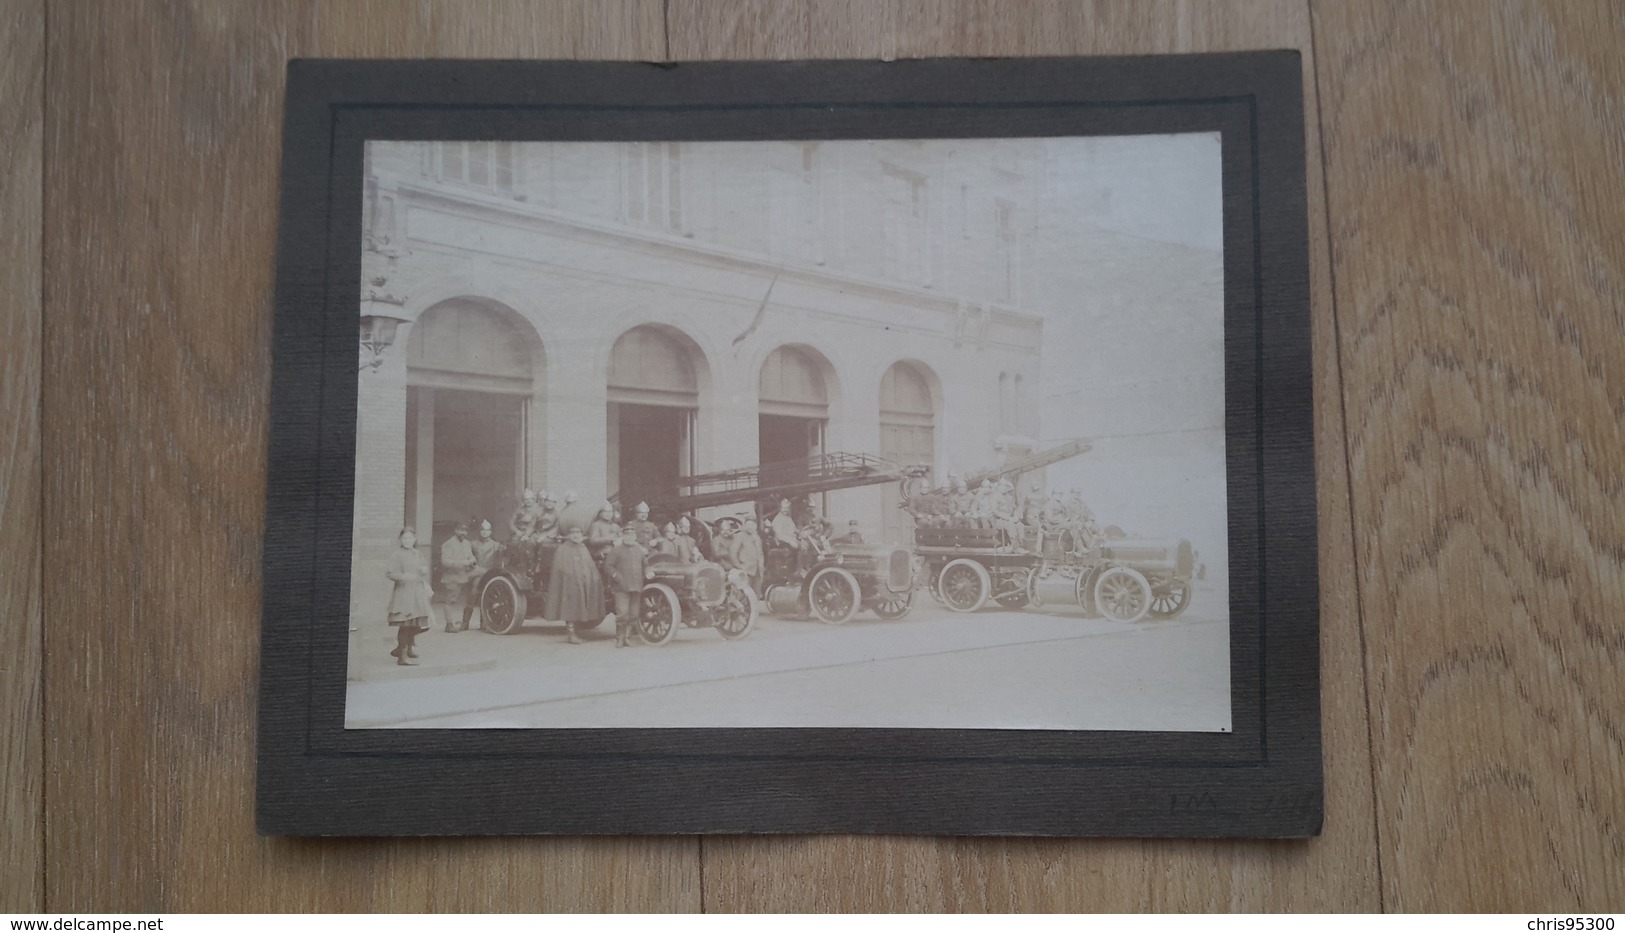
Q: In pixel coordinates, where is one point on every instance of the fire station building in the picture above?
(604, 318)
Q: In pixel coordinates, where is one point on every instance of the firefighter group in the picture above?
(1028, 519)
(608, 555)
(594, 570)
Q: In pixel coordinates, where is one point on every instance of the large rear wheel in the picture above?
(502, 606)
(964, 585)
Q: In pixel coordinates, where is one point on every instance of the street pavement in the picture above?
(995, 669)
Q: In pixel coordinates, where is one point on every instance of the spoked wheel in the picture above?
(1034, 600)
(1122, 594)
(659, 614)
(737, 614)
(834, 596)
(895, 605)
(964, 585)
(502, 607)
(1170, 600)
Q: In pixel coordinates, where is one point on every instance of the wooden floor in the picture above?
(1467, 177)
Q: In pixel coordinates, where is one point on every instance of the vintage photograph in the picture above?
(893, 433)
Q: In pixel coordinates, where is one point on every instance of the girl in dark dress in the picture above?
(409, 603)
(575, 592)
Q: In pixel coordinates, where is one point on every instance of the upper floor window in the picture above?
(1012, 404)
(1005, 271)
(796, 205)
(905, 231)
(652, 185)
(492, 166)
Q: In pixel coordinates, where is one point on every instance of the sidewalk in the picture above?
(535, 665)
(439, 653)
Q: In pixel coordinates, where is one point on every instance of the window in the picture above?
(651, 185)
(1006, 403)
(1005, 270)
(907, 245)
(1012, 395)
(796, 206)
(490, 166)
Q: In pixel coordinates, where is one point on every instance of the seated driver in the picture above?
(814, 540)
(783, 526)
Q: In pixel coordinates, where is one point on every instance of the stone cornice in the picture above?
(519, 213)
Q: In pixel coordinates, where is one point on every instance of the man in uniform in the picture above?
(813, 540)
(1082, 520)
(961, 503)
(1054, 515)
(625, 567)
(456, 569)
(783, 526)
(575, 591)
(747, 554)
(853, 535)
(547, 524)
(523, 522)
(723, 541)
(685, 532)
(645, 529)
(485, 550)
(602, 533)
(1032, 516)
(984, 506)
(676, 545)
(1006, 516)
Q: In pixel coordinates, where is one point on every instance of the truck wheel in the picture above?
(502, 607)
(964, 585)
(1122, 595)
(659, 613)
(737, 614)
(1172, 601)
(895, 605)
(834, 596)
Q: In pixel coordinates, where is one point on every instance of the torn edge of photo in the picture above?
(908, 447)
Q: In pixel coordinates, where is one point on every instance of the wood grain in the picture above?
(1474, 173)
(22, 111)
(1336, 871)
(162, 152)
(1475, 157)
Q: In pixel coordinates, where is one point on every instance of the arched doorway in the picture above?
(908, 421)
(471, 372)
(793, 412)
(654, 401)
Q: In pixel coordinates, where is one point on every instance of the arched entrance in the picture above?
(654, 399)
(472, 368)
(908, 420)
(793, 411)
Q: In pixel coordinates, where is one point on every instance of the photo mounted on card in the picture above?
(911, 447)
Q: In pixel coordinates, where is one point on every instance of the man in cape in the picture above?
(575, 592)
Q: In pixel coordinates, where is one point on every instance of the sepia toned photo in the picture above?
(893, 434)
